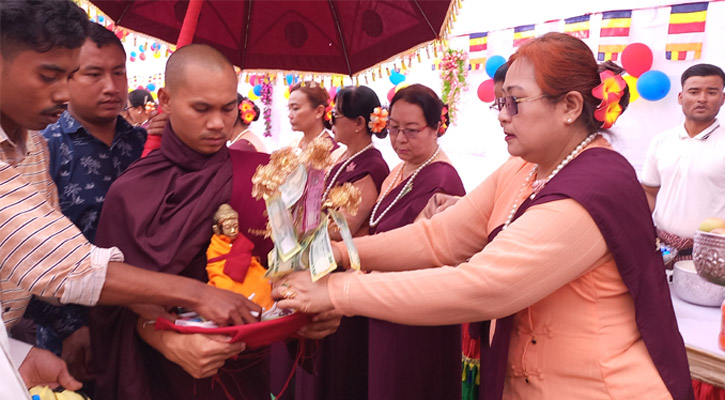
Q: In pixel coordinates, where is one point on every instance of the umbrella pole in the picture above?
(186, 35)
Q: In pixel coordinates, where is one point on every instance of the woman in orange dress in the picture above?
(555, 250)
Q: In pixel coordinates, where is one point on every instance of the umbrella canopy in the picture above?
(326, 36)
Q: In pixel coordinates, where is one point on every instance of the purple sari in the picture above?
(415, 362)
(160, 213)
(340, 366)
(604, 183)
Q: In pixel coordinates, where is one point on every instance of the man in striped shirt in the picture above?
(42, 252)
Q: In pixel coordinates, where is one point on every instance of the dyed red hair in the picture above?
(563, 64)
(316, 95)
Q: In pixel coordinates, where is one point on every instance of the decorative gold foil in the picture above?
(317, 154)
(346, 197)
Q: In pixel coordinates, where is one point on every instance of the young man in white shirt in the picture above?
(684, 172)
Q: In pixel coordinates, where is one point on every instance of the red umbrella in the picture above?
(328, 36)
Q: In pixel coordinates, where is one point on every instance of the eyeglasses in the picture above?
(511, 103)
(335, 114)
(409, 133)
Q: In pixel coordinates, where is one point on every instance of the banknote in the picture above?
(322, 260)
(339, 219)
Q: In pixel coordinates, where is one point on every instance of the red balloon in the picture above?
(637, 59)
(142, 56)
(391, 93)
(485, 91)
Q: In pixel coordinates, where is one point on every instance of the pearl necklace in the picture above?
(402, 192)
(342, 168)
(539, 184)
(239, 136)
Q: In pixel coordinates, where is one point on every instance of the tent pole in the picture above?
(186, 35)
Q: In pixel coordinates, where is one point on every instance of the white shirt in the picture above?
(690, 173)
(12, 354)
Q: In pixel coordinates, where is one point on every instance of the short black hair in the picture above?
(103, 37)
(40, 26)
(425, 98)
(359, 101)
(500, 74)
(139, 97)
(702, 70)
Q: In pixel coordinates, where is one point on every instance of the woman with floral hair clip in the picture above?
(241, 136)
(554, 251)
(341, 359)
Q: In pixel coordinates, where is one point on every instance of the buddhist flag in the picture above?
(614, 34)
(477, 46)
(577, 26)
(523, 33)
(686, 31)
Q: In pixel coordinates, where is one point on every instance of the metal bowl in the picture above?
(708, 253)
(691, 287)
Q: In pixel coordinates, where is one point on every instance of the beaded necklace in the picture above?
(539, 184)
(342, 167)
(239, 136)
(403, 191)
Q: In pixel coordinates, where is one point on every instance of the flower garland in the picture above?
(267, 101)
(453, 73)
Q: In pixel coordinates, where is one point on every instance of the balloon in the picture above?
(286, 93)
(150, 87)
(253, 80)
(637, 59)
(396, 78)
(142, 56)
(101, 18)
(132, 59)
(257, 90)
(157, 54)
(653, 85)
(401, 85)
(485, 91)
(290, 79)
(391, 93)
(252, 96)
(140, 87)
(133, 54)
(493, 64)
(332, 92)
(632, 83)
(141, 49)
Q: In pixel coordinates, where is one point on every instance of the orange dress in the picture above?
(574, 334)
(254, 283)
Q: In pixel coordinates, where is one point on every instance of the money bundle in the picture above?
(292, 186)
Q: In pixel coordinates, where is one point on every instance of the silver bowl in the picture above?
(708, 253)
(692, 288)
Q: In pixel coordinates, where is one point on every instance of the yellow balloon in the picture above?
(251, 95)
(632, 83)
(401, 85)
(286, 93)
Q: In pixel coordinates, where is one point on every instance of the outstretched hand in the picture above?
(296, 291)
(224, 307)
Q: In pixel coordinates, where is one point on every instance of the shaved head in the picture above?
(198, 56)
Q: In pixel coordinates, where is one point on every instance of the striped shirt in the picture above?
(41, 251)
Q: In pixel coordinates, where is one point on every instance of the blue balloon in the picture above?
(653, 85)
(141, 49)
(493, 64)
(101, 18)
(290, 79)
(133, 54)
(396, 78)
(150, 87)
(257, 90)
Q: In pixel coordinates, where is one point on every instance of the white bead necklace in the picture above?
(239, 136)
(403, 191)
(342, 168)
(539, 184)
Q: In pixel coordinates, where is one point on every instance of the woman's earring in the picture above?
(568, 120)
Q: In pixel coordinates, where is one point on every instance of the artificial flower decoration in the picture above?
(150, 106)
(444, 121)
(328, 110)
(610, 91)
(378, 120)
(246, 111)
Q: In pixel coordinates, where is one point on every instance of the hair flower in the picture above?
(246, 111)
(378, 120)
(328, 110)
(444, 121)
(610, 91)
(150, 106)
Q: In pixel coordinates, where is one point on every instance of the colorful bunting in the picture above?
(614, 34)
(577, 26)
(523, 33)
(686, 31)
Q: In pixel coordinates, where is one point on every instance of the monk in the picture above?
(158, 213)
